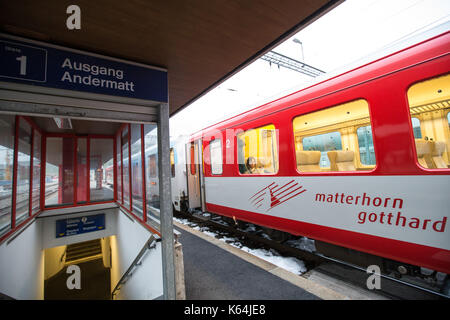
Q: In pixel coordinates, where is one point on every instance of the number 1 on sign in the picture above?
(23, 65)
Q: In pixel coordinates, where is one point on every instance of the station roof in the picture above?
(200, 43)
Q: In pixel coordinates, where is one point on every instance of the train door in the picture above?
(194, 174)
(202, 175)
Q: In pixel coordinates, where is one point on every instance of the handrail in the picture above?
(136, 262)
(64, 253)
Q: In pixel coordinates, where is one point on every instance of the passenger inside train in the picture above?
(250, 165)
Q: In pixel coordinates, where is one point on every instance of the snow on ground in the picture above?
(291, 264)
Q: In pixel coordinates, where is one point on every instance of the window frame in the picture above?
(368, 166)
(75, 138)
(193, 165)
(243, 131)
(334, 173)
(15, 225)
(211, 156)
(411, 128)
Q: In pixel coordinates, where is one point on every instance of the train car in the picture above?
(359, 161)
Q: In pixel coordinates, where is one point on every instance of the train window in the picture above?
(136, 170)
(6, 169)
(215, 149)
(35, 193)
(100, 161)
(192, 152)
(258, 151)
(338, 138)
(365, 143)
(429, 102)
(172, 162)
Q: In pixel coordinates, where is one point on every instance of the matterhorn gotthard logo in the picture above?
(273, 195)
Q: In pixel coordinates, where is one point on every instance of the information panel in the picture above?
(79, 225)
(61, 68)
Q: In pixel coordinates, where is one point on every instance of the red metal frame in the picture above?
(88, 147)
(14, 226)
(121, 167)
(144, 190)
(15, 165)
(115, 166)
(30, 202)
(43, 167)
(121, 202)
(32, 124)
(88, 170)
(43, 152)
(130, 177)
(75, 170)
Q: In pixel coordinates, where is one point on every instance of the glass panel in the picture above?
(23, 171)
(119, 168)
(215, 148)
(59, 171)
(365, 142)
(323, 143)
(36, 205)
(136, 169)
(338, 138)
(429, 105)
(125, 169)
(416, 128)
(258, 149)
(82, 170)
(151, 171)
(7, 130)
(100, 160)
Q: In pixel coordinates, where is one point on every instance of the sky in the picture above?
(346, 34)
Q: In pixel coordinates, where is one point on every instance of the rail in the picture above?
(311, 259)
(150, 244)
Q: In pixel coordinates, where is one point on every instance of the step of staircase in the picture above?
(83, 251)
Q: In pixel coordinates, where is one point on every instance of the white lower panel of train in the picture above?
(413, 209)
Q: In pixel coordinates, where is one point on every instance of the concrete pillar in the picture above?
(165, 198)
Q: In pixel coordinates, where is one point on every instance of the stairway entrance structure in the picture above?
(78, 128)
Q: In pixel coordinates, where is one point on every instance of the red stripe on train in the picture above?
(412, 253)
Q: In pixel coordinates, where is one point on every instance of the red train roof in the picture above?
(407, 57)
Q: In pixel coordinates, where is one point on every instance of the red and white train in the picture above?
(359, 161)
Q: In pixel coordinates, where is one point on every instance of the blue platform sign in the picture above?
(62, 68)
(79, 225)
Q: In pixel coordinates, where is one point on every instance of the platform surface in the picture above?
(212, 273)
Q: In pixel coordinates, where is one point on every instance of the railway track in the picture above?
(317, 265)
